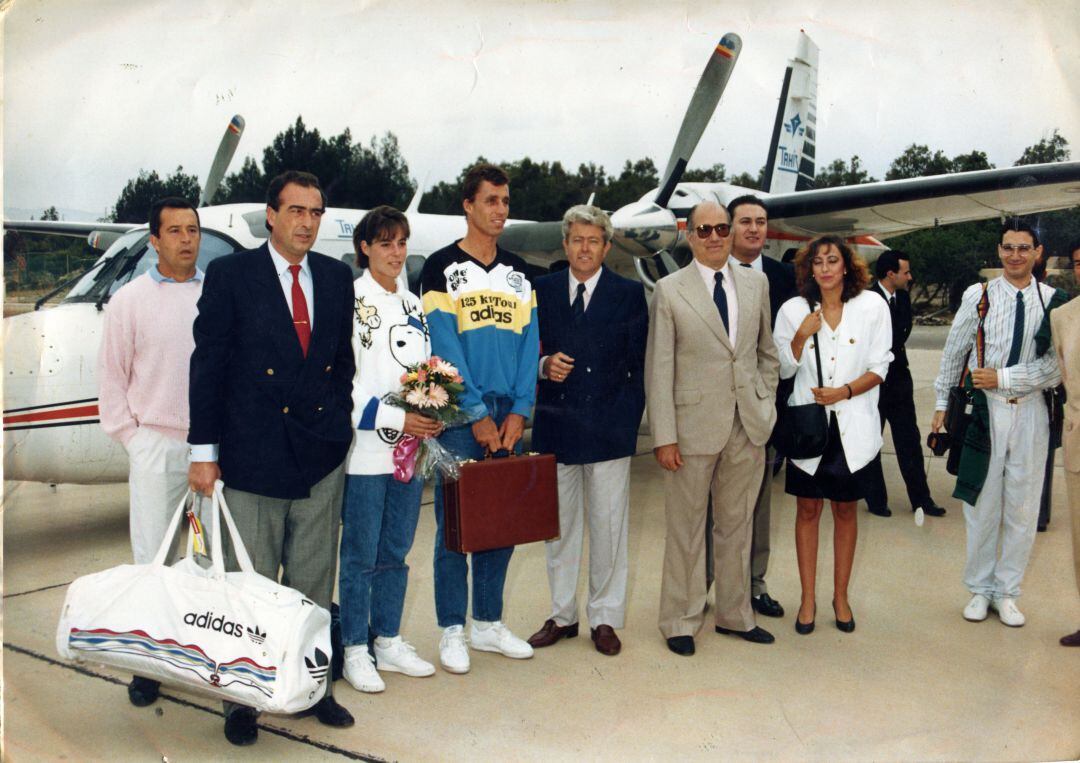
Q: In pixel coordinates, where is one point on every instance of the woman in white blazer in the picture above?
(853, 333)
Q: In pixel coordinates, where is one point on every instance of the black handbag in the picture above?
(958, 408)
(803, 430)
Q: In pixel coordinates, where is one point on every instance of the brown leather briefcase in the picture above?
(501, 502)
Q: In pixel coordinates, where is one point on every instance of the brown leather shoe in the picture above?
(606, 641)
(1073, 639)
(551, 632)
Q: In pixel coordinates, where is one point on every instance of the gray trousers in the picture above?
(299, 537)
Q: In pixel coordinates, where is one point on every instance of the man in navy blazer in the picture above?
(749, 228)
(593, 329)
(271, 398)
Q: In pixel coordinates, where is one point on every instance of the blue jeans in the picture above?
(379, 519)
(452, 568)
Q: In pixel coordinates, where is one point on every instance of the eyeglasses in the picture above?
(704, 231)
(1022, 248)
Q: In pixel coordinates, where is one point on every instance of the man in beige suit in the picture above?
(710, 373)
(1065, 330)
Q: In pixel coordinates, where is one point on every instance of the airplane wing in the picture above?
(892, 207)
(63, 228)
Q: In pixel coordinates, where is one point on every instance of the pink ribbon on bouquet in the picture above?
(406, 452)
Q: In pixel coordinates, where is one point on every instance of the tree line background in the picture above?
(361, 175)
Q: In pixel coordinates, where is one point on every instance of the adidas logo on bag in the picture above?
(209, 622)
(257, 636)
(319, 667)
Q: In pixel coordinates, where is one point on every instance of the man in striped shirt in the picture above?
(1002, 507)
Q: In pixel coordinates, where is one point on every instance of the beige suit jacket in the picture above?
(1065, 330)
(694, 378)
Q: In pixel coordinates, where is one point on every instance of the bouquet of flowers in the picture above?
(430, 388)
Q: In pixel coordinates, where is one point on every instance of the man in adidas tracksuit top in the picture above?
(481, 313)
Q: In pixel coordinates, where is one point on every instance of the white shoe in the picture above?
(975, 611)
(496, 637)
(453, 652)
(360, 671)
(396, 655)
(1008, 613)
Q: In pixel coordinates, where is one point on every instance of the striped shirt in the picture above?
(1030, 373)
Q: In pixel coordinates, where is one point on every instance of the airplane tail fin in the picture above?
(792, 164)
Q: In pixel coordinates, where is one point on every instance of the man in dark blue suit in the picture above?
(749, 229)
(896, 399)
(593, 329)
(270, 399)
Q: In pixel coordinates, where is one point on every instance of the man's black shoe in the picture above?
(767, 605)
(756, 636)
(931, 509)
(682, 645)
(330, 713)
(880, 511)
(241, 726)
(143, 691)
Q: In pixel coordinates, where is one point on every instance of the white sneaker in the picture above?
(975, 611)
(453, 652)
(496, 637)
(396, 655)
(360, 671)
(1008, 613)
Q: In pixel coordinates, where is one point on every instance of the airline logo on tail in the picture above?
(794, 127)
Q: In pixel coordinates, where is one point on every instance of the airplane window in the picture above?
(131, 256)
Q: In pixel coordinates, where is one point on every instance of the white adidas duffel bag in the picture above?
(237, 636)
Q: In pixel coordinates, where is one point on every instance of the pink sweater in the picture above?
(143, 362)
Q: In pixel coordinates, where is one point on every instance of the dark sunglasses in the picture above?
(704, 231)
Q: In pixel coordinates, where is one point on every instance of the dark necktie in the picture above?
(301, 322)
(1018, 331)
(892, 302)
(578, 307)
(719, 296)
(745, 265)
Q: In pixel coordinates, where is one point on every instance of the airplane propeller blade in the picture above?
(229, 141)
(702, 105)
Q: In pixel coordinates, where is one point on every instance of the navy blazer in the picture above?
(901, 326)
(282, 420)
(781, 277)
(594, 414)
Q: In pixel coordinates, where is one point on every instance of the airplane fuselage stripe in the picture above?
(50, 405)
(58, 413)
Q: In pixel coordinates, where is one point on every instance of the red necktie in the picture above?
(299, 311)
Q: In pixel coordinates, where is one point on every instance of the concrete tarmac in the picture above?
(915, 681)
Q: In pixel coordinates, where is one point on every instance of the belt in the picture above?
(1013, 399)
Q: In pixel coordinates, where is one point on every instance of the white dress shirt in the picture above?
(281, 266)
(708, 277)
(755, 264)
(861, 342)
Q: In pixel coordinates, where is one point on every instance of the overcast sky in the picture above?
(96, 91)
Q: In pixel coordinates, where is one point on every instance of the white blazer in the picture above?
(863, 343)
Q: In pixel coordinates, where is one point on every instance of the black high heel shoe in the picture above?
(804, 628)
(847, 626)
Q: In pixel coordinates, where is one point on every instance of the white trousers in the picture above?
(157, 481)
(601, 490)
(1007, 511)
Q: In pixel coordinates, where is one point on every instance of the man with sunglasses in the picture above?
(1001, 467)
(711, 374)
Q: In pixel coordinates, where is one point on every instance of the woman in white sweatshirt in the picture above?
(380, 513)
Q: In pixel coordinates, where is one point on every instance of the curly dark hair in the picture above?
(856, 275)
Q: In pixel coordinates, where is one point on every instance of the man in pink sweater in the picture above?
(143, 374)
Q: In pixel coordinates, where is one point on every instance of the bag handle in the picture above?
(980, 336)
(170, 533)
(220, 509)
(817, 352)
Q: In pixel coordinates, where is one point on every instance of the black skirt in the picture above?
(833, 480)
